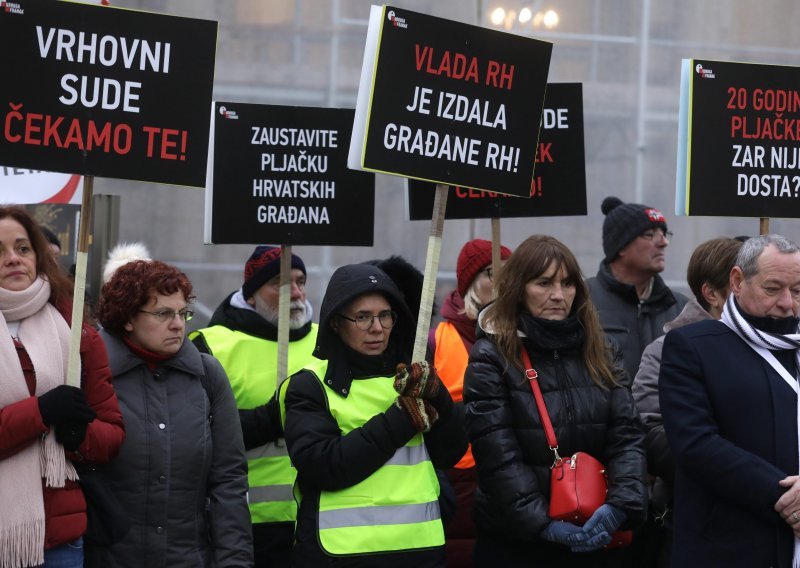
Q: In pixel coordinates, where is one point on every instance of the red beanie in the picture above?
(475, 255)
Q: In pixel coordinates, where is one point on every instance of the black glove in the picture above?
(65, 404)
(70, 434)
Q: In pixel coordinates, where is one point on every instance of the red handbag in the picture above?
(578, 484)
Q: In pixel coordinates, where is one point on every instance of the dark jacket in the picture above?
(633, 324)
(327, 460)
(511, 449)
(731, 422)
(21, 424)
(181, 473)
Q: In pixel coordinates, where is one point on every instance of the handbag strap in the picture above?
(533, 380)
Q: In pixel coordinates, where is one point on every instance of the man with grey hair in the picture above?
(243, 335)
(729, 400)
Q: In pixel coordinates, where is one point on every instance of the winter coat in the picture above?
(731, 421)
(327, 460)
(631, 322)
(645, 393)
(181, 473)
(511, 449)
(21, 423)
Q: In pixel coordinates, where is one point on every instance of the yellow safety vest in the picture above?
(394, 509)
(250, 363)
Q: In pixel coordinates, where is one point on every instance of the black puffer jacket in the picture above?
(510, 446)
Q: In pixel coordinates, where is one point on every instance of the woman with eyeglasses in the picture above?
(181, 473)
(365, 435)
(46, 426)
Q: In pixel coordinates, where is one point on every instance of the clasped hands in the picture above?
(594, 535)
(788, 506)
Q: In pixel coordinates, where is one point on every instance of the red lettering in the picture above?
(31, 129)
(543, 153)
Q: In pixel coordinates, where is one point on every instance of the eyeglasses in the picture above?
(169, 315)
(660, 233)
(364, 321)
(489, 273)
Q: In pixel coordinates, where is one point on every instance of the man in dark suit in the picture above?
(728, 393)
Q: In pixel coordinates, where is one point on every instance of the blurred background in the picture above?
(626, 53)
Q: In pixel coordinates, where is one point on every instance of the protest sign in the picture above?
(20, 185)
(448, 102)
(739, 140)
(96, 90)
(559, 182)
(279, 174)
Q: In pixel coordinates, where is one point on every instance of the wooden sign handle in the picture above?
(79, 292)
(496, 244)
(429, 276)
(284, 300)
(763, 226)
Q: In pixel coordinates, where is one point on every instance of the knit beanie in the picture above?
(474, 256)
(626, 221)
(262, 266)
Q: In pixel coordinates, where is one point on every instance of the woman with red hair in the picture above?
(181, 474)
(46, 426)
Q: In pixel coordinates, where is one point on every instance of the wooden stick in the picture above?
(429, 278)
(79, 293)
(763, 226)
(284, 300)
(496, 244)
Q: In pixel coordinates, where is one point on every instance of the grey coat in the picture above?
(181, 472)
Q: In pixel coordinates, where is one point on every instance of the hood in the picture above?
(348, 283)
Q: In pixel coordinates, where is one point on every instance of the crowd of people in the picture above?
(190, 450)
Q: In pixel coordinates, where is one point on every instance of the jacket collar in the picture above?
(660, 296)
(121, 359)
(251, 323)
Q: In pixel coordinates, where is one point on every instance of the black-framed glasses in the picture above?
(363, 320)
(489, 273)
(657, 234)
(169, 315)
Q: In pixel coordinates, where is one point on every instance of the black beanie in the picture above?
(626, 221)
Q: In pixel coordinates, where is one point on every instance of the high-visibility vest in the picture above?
(450, 361)
(251, 365)
(394, 509)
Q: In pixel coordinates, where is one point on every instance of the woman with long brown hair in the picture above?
(543, 307)
(46, 426)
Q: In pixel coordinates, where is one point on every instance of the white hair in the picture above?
(121, 254)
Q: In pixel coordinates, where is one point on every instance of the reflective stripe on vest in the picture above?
(450, 361)
(251, 364)
(395, 508)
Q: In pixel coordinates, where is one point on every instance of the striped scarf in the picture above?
(763, 342)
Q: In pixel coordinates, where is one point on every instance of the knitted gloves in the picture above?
(562, 532)
(70, 434)
(417, 384)
(64, 404)
(418, 380)
(421, 412)
(600, 526)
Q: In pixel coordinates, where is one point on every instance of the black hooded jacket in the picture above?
(327, 460)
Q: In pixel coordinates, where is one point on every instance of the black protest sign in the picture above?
(279, 175)
(559, 182)
(742, 155)
(452, 103)
(102, 91)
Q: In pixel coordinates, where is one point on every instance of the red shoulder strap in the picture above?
(533, 379)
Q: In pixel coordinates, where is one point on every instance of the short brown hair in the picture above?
(60, 286)
(530, 260)
(132, 286)
(712, 262)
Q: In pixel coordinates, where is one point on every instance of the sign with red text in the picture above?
(559, 183)
(96, 90)
(449, 102)
(739, 140)
(279, 175)
(20, 185)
